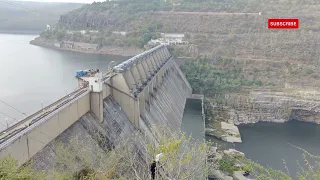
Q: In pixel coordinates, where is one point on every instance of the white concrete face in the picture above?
(136, 75)
(83, 105)
(150, 65)
(38, 135)
(161, 52)
(146, 67)
(125, 98)
(142, 72)
(106, 89)
(161, 57)
(167, 52)
(18, 150)
(158, 79)
(129, 79)
(95, 83)
(142, 105)
(155, 61)
(146, 92)
(96, 104)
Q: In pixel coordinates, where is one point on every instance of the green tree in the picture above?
(9, 170)
(60, 35)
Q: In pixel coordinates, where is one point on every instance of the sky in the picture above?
(74, 1)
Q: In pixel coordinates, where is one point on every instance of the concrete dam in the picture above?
(146, 90)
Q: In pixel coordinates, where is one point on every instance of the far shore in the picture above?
(24, 32)
(110, 50)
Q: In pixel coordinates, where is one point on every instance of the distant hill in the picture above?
(19, 16)
(231, 28)
(234, 29)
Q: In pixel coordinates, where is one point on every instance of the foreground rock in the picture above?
(238, 175)
(233, 152)
(220, 175)
(231, 134)
(217, 173)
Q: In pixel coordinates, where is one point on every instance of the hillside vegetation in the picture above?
(230, 28)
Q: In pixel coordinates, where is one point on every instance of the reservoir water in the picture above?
(31, 74)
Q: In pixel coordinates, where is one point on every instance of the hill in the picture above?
(233, 27)
(20, 16)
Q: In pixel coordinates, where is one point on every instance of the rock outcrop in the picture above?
(272, 106)
(255, 106)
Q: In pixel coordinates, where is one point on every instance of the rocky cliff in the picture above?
(271, 106)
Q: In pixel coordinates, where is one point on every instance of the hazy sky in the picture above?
(74, 1)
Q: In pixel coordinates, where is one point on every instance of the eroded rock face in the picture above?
(270, 106)
(306, 115)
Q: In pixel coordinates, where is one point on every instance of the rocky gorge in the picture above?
(276, 106)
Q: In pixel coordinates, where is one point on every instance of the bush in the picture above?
(61, 35)
(209, 76)
(183, 158)
(309, 71)
(9, 170)
(226, 164)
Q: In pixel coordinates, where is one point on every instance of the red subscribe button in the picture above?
(283, 23)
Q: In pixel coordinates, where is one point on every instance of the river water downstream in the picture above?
(272, 144)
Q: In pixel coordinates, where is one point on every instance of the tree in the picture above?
(183, 157)
(9, 170)
(60, 35)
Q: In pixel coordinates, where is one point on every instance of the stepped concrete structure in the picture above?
(145, 90)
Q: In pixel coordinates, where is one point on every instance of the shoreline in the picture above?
(110, 50)
(22, 32)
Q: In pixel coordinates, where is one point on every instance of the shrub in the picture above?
(309, 71)
(9, 170)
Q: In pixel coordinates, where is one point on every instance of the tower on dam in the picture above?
(148, 89)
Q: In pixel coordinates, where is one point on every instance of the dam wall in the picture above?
(148, 89)
(36, 136)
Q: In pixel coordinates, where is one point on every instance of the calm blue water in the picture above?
(31, 74)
